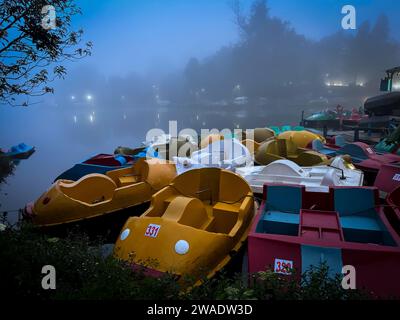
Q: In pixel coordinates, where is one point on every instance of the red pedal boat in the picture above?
(295, 229)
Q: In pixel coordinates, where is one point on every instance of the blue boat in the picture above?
(103, 163)
(19, 152)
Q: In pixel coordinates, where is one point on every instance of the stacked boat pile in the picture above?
(182, 207)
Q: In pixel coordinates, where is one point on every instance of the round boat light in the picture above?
(182, 247)
(125, 234)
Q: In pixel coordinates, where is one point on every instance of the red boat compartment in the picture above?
(320, 225)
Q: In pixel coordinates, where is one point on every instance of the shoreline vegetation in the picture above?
(84, 271)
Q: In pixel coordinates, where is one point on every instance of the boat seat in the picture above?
(222, 222)
(277, 198)
(284, 217)
(224, 217)
(362, 202)
(361, 223)
(277, 222)
(187, 211)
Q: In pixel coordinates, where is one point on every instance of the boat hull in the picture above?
(355, 234)
(188, 232)
(97, 195)
(107, 226)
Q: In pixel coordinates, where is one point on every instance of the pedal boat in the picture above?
(296, 229)
(301, 139)
(318, 178)
(181, 146)
(340, 147)
(18, 152)
(226, 154)
(95, 195)
(101, 164)
(192, 228)
(281, 149)
(362, 155)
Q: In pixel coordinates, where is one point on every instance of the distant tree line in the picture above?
(272, 58)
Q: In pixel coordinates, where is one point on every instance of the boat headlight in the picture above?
(182, 247)
(125, 234)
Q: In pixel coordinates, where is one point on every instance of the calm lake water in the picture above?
(64, 136)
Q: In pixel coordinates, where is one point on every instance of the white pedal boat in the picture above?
(317, 178)
(227, 154)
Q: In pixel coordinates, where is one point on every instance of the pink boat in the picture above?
(296, 229)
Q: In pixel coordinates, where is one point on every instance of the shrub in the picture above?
(83, 272)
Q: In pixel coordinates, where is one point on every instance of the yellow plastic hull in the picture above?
(279, 149)
(211, 229)
(301, 139)
(96, 195)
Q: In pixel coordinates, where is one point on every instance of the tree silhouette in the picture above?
(31, 55)
(272, 59)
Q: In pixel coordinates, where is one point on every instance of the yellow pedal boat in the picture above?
(280, 149)
(97, 195)
(192, 226)
(301, 139)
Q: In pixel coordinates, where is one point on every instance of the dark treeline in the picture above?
(270, 60)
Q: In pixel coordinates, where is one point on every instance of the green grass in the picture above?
(84, 273)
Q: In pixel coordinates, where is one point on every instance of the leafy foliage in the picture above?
(7, 167)
(84, 272)
(31, 55)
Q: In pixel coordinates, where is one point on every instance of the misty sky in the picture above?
(161, 35)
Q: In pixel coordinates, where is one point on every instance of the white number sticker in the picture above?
(152, 230)
(369, 150)
(283, 266)
(396, 177)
